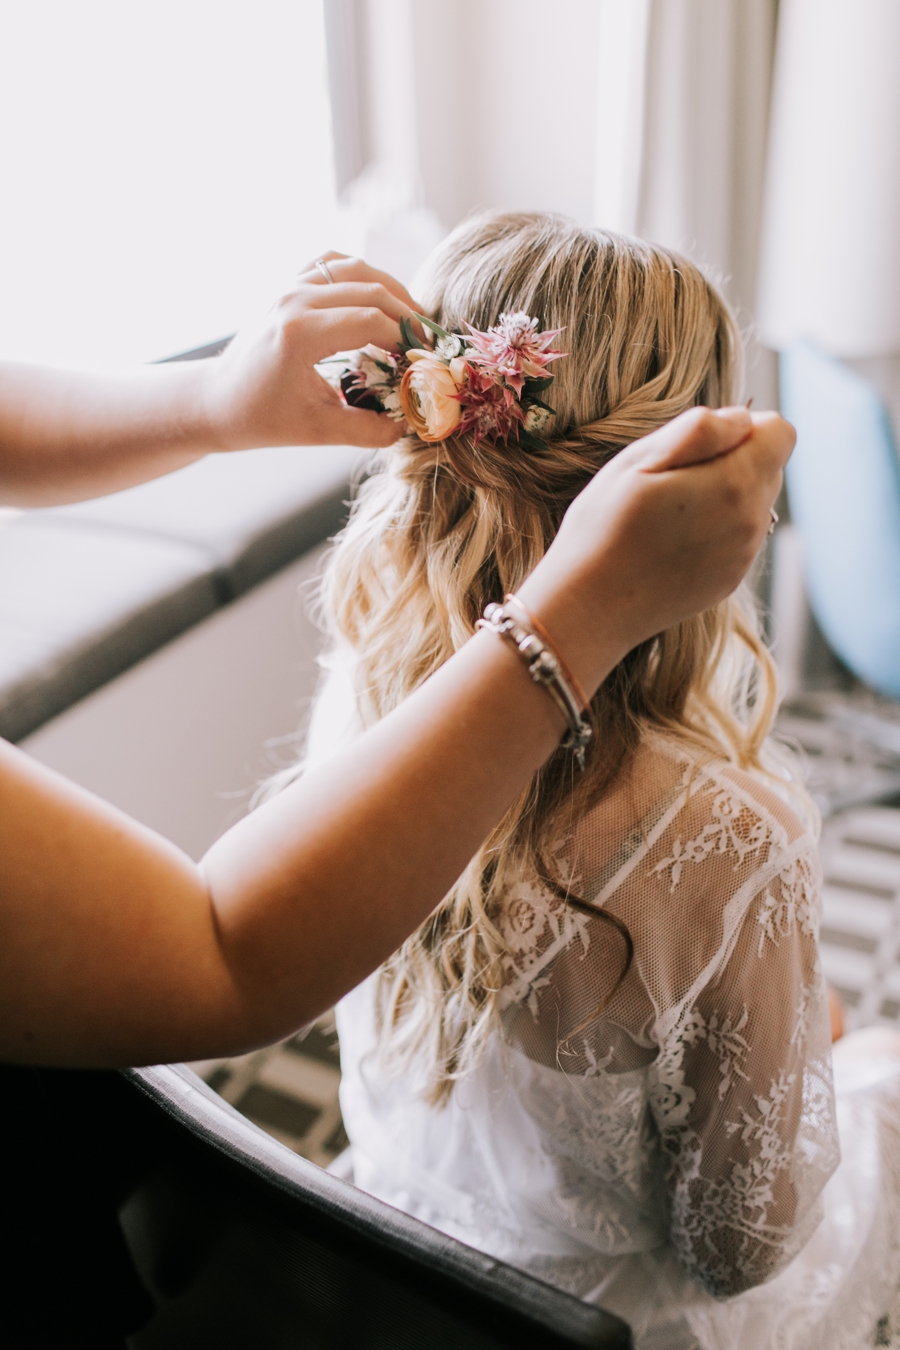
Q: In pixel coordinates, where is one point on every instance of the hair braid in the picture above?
(441, 529)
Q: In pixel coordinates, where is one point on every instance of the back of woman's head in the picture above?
(647, 335)
(451, 525)
(440, 529)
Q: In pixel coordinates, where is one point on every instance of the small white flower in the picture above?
(536, 419)
(369, 371)
(448, 347)
(391, 401)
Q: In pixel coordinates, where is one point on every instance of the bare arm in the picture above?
(115, 948)
(66, 435)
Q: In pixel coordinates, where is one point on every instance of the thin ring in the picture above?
(774, 514)
(322, 266)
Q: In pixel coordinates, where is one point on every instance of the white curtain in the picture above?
(682, 96)
(831, 269)
(461, 104)
(648, 116)
(830, 254)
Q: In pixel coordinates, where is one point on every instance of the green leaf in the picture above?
(530, 441)
(435, 327)
(534, 402)
(407, 335)
(537, 384)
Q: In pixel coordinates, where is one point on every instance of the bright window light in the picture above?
(166, 166)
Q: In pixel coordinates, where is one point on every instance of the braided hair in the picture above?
(441, 529)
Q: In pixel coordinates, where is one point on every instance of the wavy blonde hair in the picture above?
(440, 530)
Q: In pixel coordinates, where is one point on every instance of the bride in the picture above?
(606, 1055)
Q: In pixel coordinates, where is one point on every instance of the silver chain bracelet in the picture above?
(545, 667)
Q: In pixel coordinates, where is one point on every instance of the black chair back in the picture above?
(245, 1244)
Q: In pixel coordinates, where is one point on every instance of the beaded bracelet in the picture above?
(545, 666)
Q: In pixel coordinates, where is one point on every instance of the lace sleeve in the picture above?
(742, 1093)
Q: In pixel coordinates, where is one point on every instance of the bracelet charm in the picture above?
(545, 667)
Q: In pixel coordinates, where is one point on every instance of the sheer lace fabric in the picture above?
(724, 1011)
(669, 1155)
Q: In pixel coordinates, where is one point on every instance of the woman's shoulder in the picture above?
(682, 825)
(693, 853)
(713, 788)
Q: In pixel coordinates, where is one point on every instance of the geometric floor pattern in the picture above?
(290, 1090)
(851, 744)
(860, 936)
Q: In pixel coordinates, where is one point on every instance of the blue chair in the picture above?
(844, 489)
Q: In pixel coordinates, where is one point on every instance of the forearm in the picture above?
(114, 948)
(117, 953)
(67, 435)
(373, 840)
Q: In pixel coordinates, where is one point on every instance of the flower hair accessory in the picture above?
(488, 385)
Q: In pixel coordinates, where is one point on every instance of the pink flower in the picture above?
(513, 350)
(489, 409)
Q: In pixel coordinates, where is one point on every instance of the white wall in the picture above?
(180, 740)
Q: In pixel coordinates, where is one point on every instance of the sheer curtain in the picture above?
(683, 94)
(454, 105)
(648, 116)
(166, 165)
(831, 261)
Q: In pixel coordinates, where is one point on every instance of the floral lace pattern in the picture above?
(734, 828)
(790, 901)
(669, 1146)
(536, 926)
(722, 1034)
(737, 1087)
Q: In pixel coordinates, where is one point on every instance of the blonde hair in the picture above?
(440, 530)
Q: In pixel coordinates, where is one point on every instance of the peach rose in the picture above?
(427, 395)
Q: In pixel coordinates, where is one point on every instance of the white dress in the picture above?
(675, 1159)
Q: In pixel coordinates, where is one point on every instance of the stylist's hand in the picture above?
(666, 529)
(264, 389)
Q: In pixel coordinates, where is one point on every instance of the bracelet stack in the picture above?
(512, 621)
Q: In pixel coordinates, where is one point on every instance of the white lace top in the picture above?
(710, 1070)
(688, 1130)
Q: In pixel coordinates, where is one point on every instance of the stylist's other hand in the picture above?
(667, 528)
(264, 388)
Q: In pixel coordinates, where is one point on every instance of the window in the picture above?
(166, 167)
